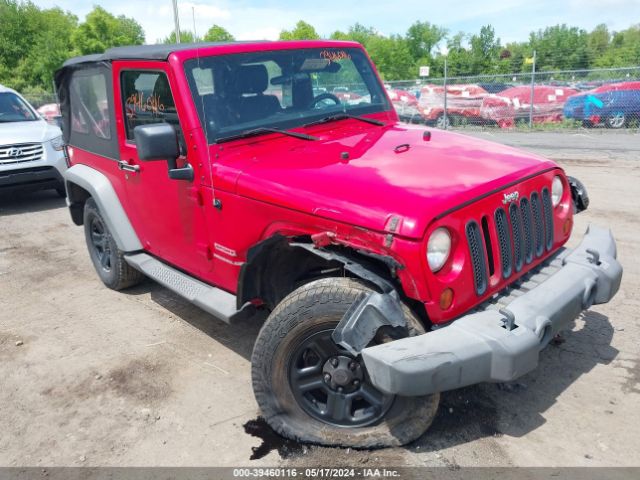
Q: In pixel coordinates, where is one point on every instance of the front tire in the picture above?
(107, 259)
(310, 389)
(616, 120)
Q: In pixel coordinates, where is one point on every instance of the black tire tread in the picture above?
(122, 275)
(292, 311)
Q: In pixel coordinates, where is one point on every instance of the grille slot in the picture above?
(527, 233)
(474, 239)
(20, 153)
(516, 231)
(548, 218)
(538, 234)
(487, 245)
(504, 238)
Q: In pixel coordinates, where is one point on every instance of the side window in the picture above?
(89, 106)
(147, 99)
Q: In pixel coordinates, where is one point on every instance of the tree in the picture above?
(186, 36)
(422, 37)
(302, 31)
(485, 50)
(560, 48)
(102, 30)
(33, 44)
(459, 59)
(218, 34)
(356, 33)
(391, 56)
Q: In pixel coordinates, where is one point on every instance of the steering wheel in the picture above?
(324, 96)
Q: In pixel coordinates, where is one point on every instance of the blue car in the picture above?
(614, 108)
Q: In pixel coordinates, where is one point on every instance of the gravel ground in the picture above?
(94, 377)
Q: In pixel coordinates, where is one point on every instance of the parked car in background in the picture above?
(31, 150)
(514, 104)
(463, 104)
(494, 87)
(613, 105)
(51, 113)
(406, 104)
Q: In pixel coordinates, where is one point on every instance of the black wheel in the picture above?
(312, 390)
(107, 259)
(62, 193)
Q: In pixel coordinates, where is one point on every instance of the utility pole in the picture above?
(444, 115)
(193, 16)
(533, 84)
(175, 20)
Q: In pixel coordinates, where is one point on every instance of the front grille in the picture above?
(474, 238)
(522, 232)
(20, 153)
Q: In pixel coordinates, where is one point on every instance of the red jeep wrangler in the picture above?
(396, 262)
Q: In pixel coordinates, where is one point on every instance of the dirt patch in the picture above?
(144, 381)
(632, 381)
(141, 380)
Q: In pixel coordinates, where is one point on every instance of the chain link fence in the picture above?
(553, 100)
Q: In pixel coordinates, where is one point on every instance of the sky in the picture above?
(254, 19)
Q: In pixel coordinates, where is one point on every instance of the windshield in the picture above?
(14, 109)
(281, 89)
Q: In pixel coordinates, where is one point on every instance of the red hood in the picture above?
(375, 183)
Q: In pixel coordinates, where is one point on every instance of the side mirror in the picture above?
(156, 141)
(159, 141)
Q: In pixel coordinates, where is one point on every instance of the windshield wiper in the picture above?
(264, 130)
(344, 116)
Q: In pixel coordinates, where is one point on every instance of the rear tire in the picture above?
(62, 193)
(107, 259)
(323, 414)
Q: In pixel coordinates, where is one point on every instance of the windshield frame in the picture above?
(366, 70)
(26, 105)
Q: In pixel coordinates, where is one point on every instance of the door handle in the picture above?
(124, 165)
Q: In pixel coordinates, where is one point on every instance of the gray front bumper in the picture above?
(479, 348)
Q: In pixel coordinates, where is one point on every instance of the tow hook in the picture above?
(509, 319)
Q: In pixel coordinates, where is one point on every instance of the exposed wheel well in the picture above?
(77, 198)
(277, 266)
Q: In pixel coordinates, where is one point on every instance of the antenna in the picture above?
(175, 20)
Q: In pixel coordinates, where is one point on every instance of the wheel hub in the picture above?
(342, 374)
(332, 386)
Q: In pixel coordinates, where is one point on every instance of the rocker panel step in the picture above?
(217, 302)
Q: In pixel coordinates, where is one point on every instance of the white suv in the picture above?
(31, 150)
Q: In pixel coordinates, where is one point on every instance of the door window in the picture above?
(147, 99)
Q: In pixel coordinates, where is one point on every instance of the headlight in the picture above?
(57, 143)
(438, 248)
(556, 190)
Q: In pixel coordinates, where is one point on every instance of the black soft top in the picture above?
(144, 52)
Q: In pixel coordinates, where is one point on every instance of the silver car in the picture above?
(31, 150)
